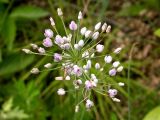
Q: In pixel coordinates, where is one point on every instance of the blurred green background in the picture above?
(30, 97)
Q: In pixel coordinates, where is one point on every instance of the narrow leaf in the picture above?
(29, 12)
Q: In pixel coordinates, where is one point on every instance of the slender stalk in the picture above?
(128, 79)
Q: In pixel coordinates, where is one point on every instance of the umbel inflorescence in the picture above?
(76, 58)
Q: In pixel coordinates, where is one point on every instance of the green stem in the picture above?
(128, 79)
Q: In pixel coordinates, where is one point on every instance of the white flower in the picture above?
(59, 78)
(97, 26)
(88, 65)
(77, 70)
(116, 64)
(112, 92)
(59, 11)
(34, 46)
(81, 43)
(80, 16)
(118, 50)
(89, 104)
(48, 33)
(99, 48)
(76, 46)
(116, 100)
(83, 30)
(93, 76)
(88, 84)
(119, 69)
(41, 50)
(112, 72)
(108, 59)
(95, 35)
(97, 66)
(66, 46)
(104, 27)
(67, 78)
(121, 84)
(47, 42)
(79, 82)
(35, 71)
(52, 21)
(73, 26)
(59, 40)
(27, 51)
(108, 29)
(48, 65)
(61, 91)
(88, 33)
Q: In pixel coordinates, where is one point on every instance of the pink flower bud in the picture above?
(48, 33)
(112, 72)
(47, 42)
(73, 25)
(57, 57)
(41, 50)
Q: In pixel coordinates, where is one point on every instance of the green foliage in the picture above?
(29, 12)
(153, 114)
(9, 32)
(157, 32)
(14, 63)
(131, 10)
(9, 113)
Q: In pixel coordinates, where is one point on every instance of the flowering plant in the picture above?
(80, 47)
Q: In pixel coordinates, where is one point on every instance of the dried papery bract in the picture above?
(80, 59)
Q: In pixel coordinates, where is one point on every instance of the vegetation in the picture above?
(135, 26)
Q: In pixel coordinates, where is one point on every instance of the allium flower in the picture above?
(35, 71)
(52, 21)
(48, 33)
(112, 92)
(27, 51)
(61, 91)
(89, 104)
(99, 48)
(73, 25)
(57, 57)
(118, 50)
(119, 69)
(116, 64)
(95, 35)
(79, 60)
(59, 11)
(88, 33)
(112, 72)
(41, 50)
(104, 27)
(34, 46)
(108, 59)
(97, 26)
(97, 66)
(47, 42)
(48, 65)
(81, 43)
(83, 30)
(80, 16)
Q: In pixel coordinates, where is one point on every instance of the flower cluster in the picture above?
(80, 50)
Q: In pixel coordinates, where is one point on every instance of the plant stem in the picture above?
(128, 79)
